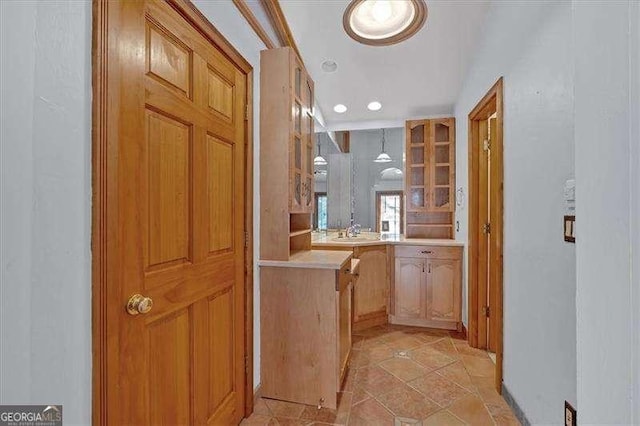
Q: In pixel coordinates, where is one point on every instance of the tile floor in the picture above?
(404, 376)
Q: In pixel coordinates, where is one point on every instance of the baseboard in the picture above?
(517, 411)
(257, 394)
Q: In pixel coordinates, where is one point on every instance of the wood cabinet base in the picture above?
(419, 322)
(371, 320)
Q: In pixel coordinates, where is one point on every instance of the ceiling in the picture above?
(419, 77)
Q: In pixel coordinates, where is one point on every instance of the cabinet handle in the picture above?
(426, 252)
(429, 268)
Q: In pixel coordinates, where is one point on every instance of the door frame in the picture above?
(379, 195)
(104, 194)
(490, 103)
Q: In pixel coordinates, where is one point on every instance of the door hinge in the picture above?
(246, 364)
(486, 311)
(486, 146)
(246, 111)
(486, 228)
(246, 239)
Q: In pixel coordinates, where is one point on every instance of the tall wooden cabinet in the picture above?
(286, 134)
(430, 178)
(428, 286)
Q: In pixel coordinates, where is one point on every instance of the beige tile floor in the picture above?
(404, 376)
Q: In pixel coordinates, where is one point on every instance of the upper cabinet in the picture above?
(430, 179)
(286, 154)
(301, 161)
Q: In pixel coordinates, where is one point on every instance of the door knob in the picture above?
(139, 304)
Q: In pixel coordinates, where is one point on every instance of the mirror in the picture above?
(352, 186)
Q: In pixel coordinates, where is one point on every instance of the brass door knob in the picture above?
(138, 304)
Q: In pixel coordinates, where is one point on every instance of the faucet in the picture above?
(353, 230)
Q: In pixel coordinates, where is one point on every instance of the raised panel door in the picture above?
(410, 288)
(443, 290)
(372, 291)
(178, 223)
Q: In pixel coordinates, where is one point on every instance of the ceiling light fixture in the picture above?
(383, 22)
(319, 160)
(374, 106)
(329, 66)
(383, 157)
(339, 108)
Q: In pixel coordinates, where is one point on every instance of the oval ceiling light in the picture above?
(329, 66)
(383, 22)
(374, 106)
(340, 108)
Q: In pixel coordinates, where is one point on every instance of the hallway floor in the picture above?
(404, 376)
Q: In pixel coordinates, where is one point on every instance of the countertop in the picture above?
(319, 259)
(327, 240)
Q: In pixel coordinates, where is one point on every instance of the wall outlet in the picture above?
(570, 415)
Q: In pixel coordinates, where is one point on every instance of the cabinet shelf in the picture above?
(435, 225)
(301, 232)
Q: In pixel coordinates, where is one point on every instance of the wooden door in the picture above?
(483, 232)
(493, 201)
(372, 291)
(443, 290)
(176, 222)
(410, 285)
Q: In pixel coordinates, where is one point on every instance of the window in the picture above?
(320, 213)
(390, 209)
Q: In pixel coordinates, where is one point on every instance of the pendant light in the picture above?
(383, 157)
(319, 160)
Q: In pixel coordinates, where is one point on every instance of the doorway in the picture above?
(486, 225)
(172, 202)
(390, 210)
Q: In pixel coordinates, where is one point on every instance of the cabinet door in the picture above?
(417, 134)
(410, 286)
(372, 292)
(344, 328)
(443, 290)
(441, 165)
(298, 147)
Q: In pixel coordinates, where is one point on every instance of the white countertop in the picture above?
(326, 240)
(319, 259)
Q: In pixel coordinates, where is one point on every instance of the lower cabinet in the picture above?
(305, 322)
(371, 291)
(428, 287)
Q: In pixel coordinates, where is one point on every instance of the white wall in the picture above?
(46, 192)
(45, 322)
(606, 135)
(530, 45)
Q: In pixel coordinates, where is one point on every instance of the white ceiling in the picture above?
(419, 77)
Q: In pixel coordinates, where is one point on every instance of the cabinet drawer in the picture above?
(433, 252)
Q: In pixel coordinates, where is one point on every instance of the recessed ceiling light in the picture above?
(340, 108)
(374, 106)
(329, 66)
(383, 22)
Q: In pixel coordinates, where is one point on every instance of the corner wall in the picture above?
(529, 44)
(607, 189)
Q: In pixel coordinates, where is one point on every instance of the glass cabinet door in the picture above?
(441, 166)
(416, 157)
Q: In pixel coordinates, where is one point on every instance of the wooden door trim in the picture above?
(254, 23)
(105, 104)
(379, 194)
(491, 102)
